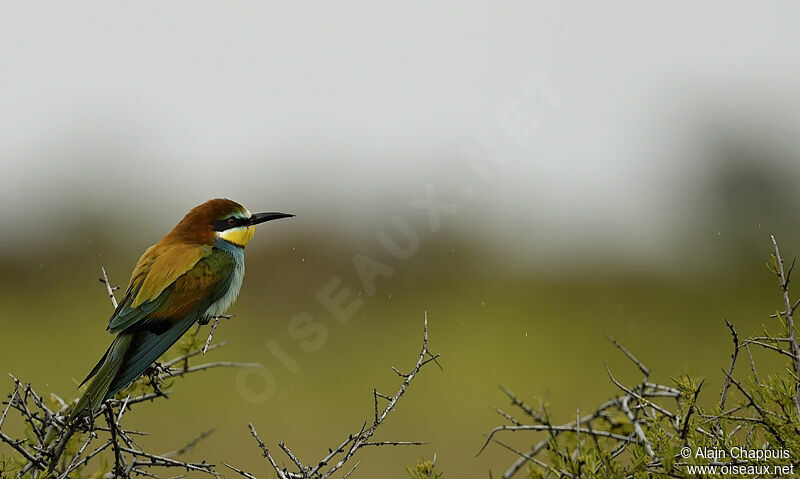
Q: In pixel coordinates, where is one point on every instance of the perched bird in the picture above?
(193, 274)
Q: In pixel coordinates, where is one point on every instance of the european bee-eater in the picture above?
(193, 274)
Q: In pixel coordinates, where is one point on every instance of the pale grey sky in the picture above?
(355, 106)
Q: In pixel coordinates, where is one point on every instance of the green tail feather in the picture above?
(126, 359)
(104, 373)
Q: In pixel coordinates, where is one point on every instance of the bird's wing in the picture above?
(188, 299)
(156, 325)
(157, 270)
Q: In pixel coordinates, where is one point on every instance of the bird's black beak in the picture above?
(262, 217)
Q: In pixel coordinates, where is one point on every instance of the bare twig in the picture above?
(630, 356)
(265, 452)
(213, 329)
(161, 461)
(571, 427)
(778, 350)
(515, 401)
(239, 471)
(345, 451)
(190, 445)
(109, 288)
(352, 469)
(11, 399)
(119, 460)
(763, 413)
(173, 372)
(685, 428)
(734, 355)
(534, 460)
(638, 396)
(752, 364)
(784, 283)
(725, 386)
(82, 462)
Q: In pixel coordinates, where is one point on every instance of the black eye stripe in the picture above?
(224, 224)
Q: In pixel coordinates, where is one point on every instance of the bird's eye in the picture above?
(231, 221)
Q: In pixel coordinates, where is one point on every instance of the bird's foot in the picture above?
(155, 368)
(204, 321)
(154, 375)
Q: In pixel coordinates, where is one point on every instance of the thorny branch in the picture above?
(784, 278)
(213, 330)
(636, 404)
(129, 459)
(338, 456)
(647, 420)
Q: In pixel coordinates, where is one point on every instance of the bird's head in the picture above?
(221, 218)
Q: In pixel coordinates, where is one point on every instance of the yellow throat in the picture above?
(238, 236)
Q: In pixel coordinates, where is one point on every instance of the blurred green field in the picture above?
(537, 332)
